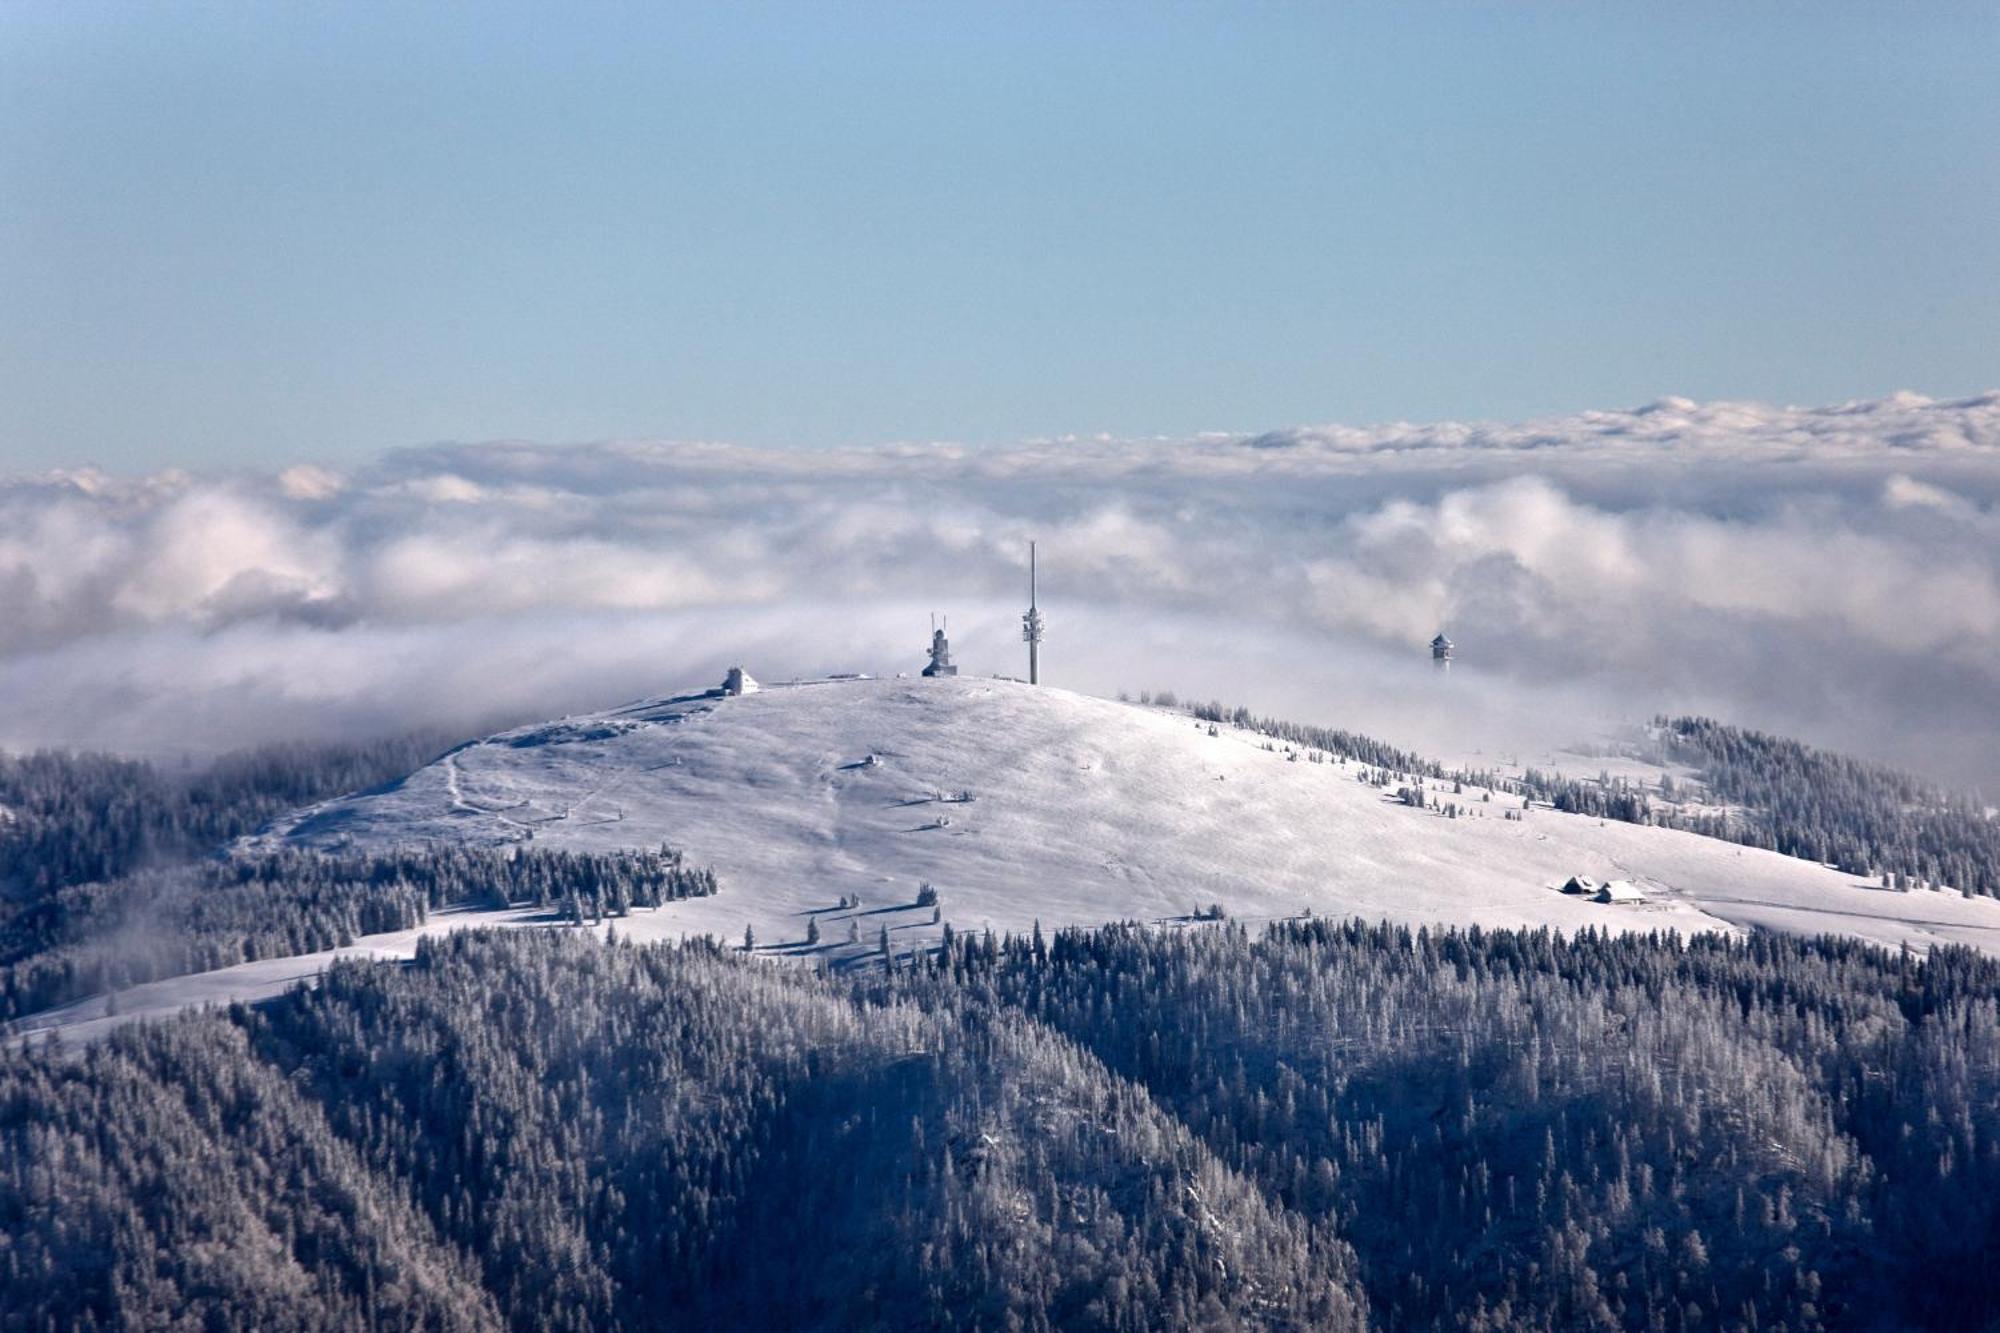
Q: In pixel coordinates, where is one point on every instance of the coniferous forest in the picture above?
(1326, 1126)
(110, 874)
(88, 818)
(90, 938)
(1827, 807)
(1323, 1125)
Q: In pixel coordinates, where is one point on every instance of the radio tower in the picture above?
(1031, 625)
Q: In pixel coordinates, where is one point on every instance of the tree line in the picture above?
(87, 818)
(110, 873)
(1867, 819)
(88, 939)
(1781, 795)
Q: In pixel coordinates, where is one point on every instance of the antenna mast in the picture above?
(1031, 625)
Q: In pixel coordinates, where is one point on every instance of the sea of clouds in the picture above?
(1832, 573)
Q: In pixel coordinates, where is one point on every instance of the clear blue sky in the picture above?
(244, 234)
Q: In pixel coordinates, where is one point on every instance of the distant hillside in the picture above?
(1864, 818)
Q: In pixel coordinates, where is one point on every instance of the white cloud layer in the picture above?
(1829, 572)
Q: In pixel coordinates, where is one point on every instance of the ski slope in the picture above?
(1076, 811)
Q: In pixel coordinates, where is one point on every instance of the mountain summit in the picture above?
(1018, 804)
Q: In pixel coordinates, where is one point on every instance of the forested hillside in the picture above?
(1827, 807)
(83, 939)
(1866, 819)
(87, 818)
(1325, 1126)
(110, 874)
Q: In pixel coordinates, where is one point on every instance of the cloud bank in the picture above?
(1829, 572)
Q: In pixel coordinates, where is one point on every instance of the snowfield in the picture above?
(1076, 811)
(1026, 804)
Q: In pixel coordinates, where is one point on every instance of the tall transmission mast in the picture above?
(1031, 625)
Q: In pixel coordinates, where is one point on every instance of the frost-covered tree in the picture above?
(1320, 1126)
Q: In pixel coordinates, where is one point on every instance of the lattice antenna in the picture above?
(1031, 625)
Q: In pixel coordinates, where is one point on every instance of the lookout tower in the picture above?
(1441, 653)
(1031, 625)
(941, 663)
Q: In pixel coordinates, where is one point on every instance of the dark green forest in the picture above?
(1326, 1126)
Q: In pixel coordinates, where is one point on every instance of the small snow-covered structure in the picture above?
(1441, 652)
(739, 682)
(940, 663)
(1580, 884)
(1619, 891)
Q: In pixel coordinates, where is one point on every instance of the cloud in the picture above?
(1410, 565)
(308, 481)
(1832, 572)
(1904, 492)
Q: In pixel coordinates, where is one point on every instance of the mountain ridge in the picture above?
(1022, 804)
(853, 818)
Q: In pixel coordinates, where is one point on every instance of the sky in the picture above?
(241, 237)
(374, 366)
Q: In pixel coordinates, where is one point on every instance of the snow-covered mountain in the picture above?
(1024, 804)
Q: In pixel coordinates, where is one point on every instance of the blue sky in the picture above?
(239, 235)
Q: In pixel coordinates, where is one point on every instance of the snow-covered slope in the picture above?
(1023, 805)
(1079, 811)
